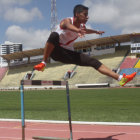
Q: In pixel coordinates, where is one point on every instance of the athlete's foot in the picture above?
(40, 67)
(127, 78)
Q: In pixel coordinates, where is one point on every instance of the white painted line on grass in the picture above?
(75, 122)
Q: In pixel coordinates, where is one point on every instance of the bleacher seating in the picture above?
(129, 71)
(128, 63)
(3, 71)
(53, 72)
(137, 64)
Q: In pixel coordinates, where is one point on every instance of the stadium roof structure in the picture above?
(105, 40)
(78, 45)
(23, 54)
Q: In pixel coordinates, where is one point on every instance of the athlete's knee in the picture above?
(54, 35)
(54, 38)
(97, 65)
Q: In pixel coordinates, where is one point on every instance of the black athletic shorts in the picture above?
(70, 57)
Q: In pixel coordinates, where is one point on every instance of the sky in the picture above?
(28, 21)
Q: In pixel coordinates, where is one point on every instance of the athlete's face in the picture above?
(83, 16)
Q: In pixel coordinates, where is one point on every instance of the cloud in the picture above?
(98, 15)
(30, 38)
(14, 2)
(130, 30)
(118, 14)
(101, 12)
(12, 10)
(21, 15)
(8, 4)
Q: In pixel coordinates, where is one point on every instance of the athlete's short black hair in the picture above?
(79, 8)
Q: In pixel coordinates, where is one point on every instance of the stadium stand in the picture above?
(129, 71)
(3, 71)
(128, 62)
(56, 71)
(137, 64)
(129, 65)
(14, 75)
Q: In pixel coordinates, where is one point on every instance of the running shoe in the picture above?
(127, 78)
(40, 67)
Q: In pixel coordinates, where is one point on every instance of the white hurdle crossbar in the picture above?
(41, 82)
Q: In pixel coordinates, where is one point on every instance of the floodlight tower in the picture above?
(53, 15)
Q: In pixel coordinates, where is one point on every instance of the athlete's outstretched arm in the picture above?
(91, 31)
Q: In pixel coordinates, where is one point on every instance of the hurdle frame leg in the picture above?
(69, 110)
(22, 111)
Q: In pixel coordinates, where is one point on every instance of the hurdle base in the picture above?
(48, 138)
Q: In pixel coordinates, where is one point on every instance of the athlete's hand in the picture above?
(81, 32)
(100, 32)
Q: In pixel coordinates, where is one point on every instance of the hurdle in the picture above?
(44, 83)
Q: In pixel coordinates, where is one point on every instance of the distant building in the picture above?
(135, 44)
(8, 48)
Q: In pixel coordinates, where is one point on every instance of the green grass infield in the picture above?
(102, 105)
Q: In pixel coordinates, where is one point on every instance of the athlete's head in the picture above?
(81, 12)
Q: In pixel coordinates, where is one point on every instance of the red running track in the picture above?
(12, 131)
